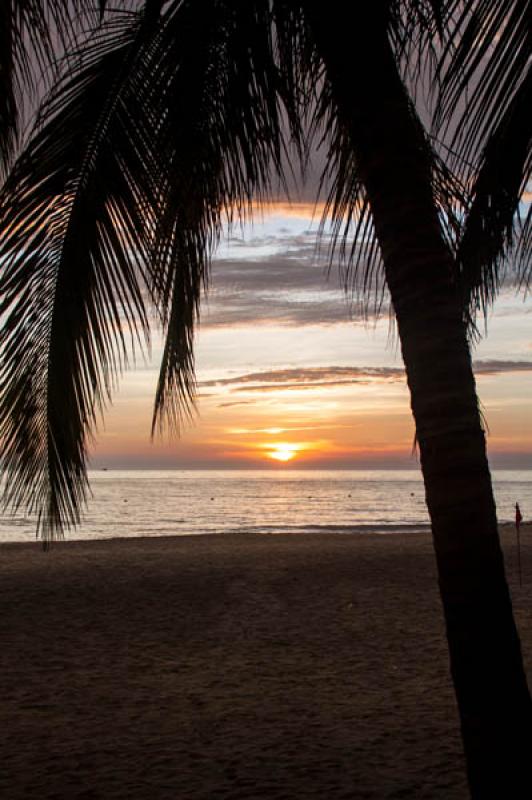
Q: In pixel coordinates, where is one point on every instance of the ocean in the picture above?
(179, 502)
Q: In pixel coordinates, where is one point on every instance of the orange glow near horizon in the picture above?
(290, 375)
(283, 451)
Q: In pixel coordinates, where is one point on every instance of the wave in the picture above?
(381, 528)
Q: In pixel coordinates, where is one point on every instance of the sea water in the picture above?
(163, 503)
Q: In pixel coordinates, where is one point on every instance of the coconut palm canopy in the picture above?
(171, 117)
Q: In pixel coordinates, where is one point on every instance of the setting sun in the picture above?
(283, 451)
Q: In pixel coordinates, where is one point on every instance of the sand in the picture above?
(266, 667)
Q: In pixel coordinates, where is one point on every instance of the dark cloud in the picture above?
(273, 387)
(495, 366)
(236, 403)
(290, 280)
(320, 377)
(308, 377)
(296, 286)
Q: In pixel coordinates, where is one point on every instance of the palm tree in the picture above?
(428, 279)
(172, 115)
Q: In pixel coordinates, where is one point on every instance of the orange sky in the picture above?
(289, 374)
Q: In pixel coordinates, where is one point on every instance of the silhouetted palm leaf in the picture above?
(140, 152)
(76, 212)
(220, 141)
(353, 238)
(493, 223)
(487, 62)
(32, 35)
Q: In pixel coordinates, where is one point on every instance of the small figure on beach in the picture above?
(518, 521)
(518, 516)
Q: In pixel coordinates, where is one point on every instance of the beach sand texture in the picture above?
(225, 667)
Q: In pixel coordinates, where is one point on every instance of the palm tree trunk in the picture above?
(394, 162)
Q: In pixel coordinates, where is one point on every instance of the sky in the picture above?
(292, 373)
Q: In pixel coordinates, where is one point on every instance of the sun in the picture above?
(283, 451)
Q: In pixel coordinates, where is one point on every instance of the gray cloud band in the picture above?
(297, 285)
(314, 377)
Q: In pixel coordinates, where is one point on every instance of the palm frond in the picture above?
(353, 239)
(474, 50)
(221, 142)
(483, 107)
(176, 386)
(485, 59)
(76, 215)
(169, 125)
(33, 34)
(8, 110)
(493, 225)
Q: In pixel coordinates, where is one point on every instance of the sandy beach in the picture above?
(268, 667)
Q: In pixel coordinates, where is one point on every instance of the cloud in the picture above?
(305, 209)
(306, 378)
(328, 377)
(299, 386)
(283, 280)
(496, 367)
(278, 272)
(235, 403)
(284, 429)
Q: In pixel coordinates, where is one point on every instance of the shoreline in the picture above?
(303, 530)
(393, 530)
(258, 667)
